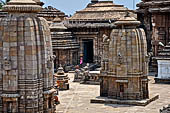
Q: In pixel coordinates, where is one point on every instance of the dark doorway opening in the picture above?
(121, 88)
(88, 51)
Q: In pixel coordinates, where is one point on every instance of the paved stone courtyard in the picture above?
(77, 100)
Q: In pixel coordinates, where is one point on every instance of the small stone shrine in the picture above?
(125, 62)
(26, 63)
(65, 47)
(62, 79)
(163, 60)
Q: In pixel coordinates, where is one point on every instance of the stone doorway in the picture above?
(88, 50)
(121, 90)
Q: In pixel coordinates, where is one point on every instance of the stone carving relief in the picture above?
(7, 64)
(120, 58)
(50, 61)
(105, 38)
(105, 61)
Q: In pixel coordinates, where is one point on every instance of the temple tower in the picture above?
(26, 70)
(124, 62)
(64, 43)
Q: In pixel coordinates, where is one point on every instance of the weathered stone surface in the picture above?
(50, 13)
(154, 16)
(79, 96)
(62, 79)
(26, 48)
(65, 46)
(124, 62)
(89, 25)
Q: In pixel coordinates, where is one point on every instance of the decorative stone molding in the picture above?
(22, 6)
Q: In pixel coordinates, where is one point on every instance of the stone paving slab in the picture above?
(77, 100)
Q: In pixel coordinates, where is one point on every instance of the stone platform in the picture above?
(161, 80)
(77, 80)
(105, 100)
(90, 83)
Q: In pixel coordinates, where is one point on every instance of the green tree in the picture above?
(2, 3)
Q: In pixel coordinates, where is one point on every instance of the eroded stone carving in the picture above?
(7, 64)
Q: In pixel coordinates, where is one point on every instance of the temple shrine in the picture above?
(26, 84)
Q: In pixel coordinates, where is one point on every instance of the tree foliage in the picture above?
(2, 3)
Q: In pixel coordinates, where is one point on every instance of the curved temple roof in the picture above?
(101, 10)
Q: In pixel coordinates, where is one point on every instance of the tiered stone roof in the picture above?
(19, 6)
(62, 39)
(154, 5)
(127, 21)
(2, 13)
(39, 2)
(164, 53)
(103, 12)
(51, 12)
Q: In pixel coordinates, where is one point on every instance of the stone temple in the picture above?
(90, 24)
(154, 16)
(124, 62)
(26, 79)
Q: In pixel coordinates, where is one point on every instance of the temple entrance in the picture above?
(121, 90)
(88, 50)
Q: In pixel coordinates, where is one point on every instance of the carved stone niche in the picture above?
(7, 65)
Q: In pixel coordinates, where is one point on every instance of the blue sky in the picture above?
(70, 6)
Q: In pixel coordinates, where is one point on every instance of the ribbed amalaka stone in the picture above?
(124, 65)
(26, 60)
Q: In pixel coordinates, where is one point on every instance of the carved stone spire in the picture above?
(25, 6)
